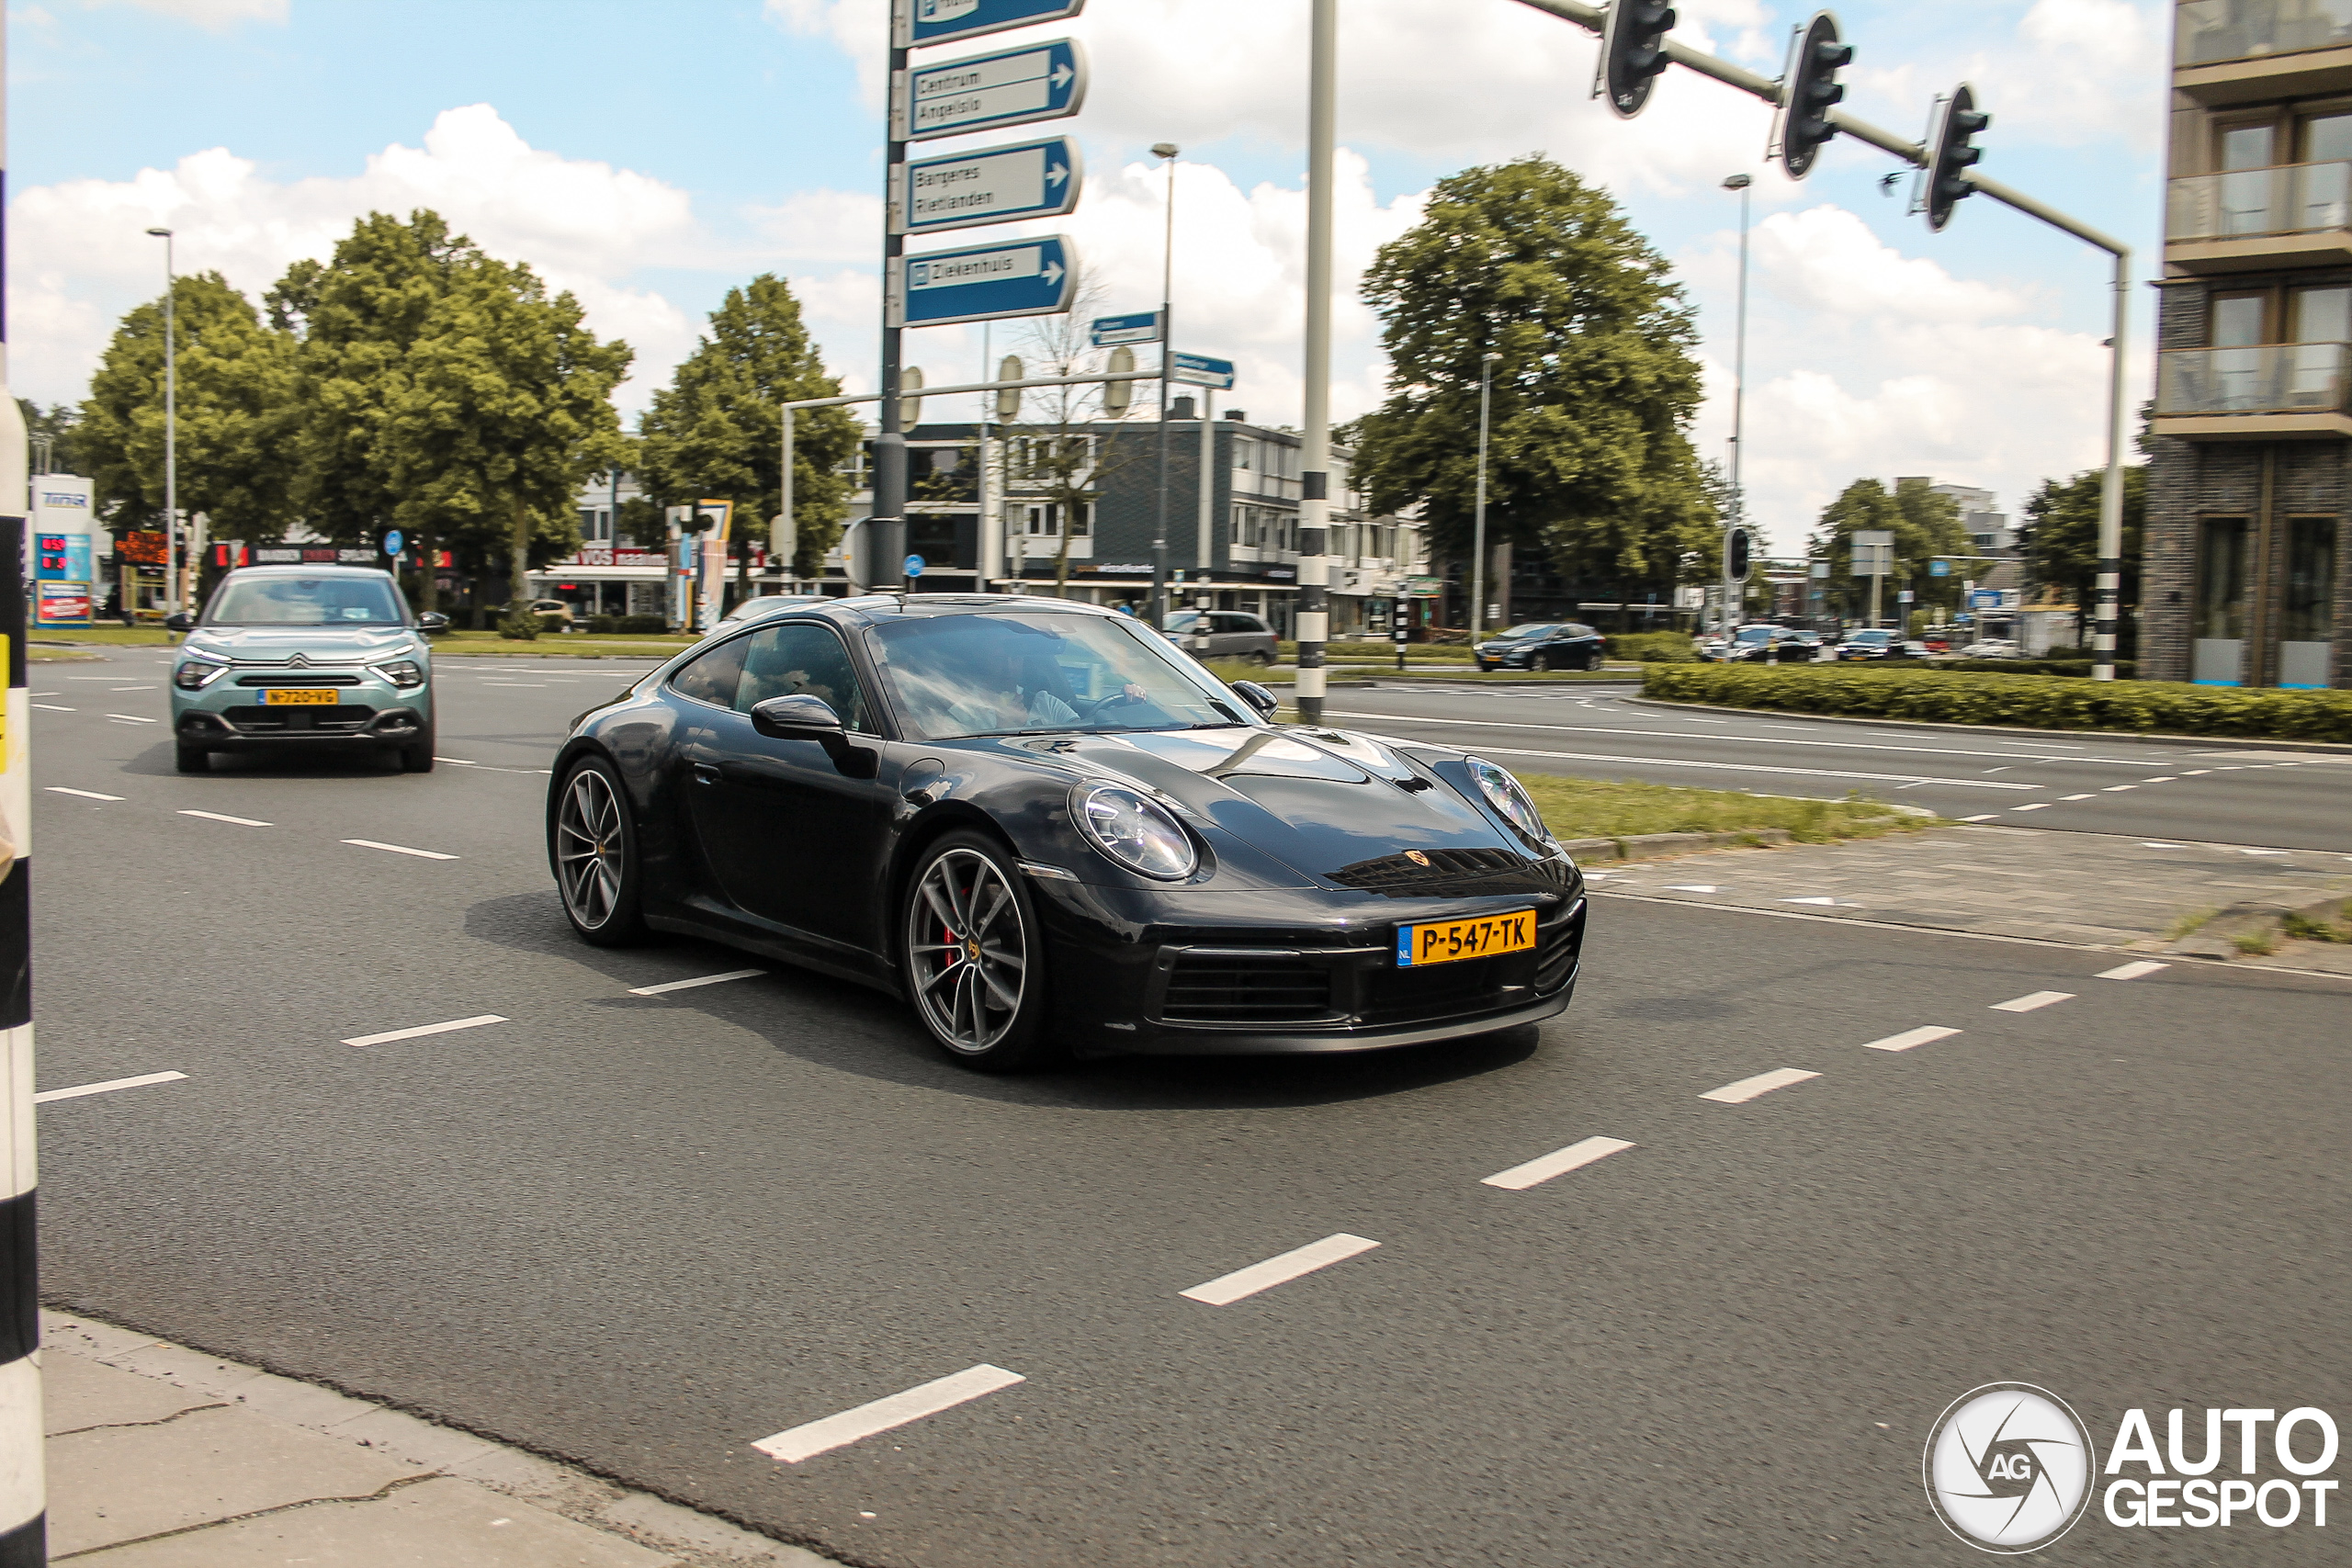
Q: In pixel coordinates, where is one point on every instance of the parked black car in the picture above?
(1878, 642)
(1052, 832)
(1543, 645)
(1761, 644)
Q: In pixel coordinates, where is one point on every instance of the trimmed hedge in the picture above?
(2036, 701)
(2124, 668)
(1654, 647)
(632, 625)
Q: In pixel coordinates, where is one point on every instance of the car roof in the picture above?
(875, 609)
(322, 570)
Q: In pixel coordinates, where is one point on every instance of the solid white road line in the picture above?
(131, 718)
(460, 762)
(423, 1029)
(54, 707)
(2031, 1000)
(1755, 768)
(2155, 846)
(1746, 1089)
(1560, 1162)
(399, 849)
(85, 794)
(216, 817)
(689, 984)
(798, 1443)
(107, 1088)
(2132, 971)
(1910, 1037)
(1226, 1289)
(1753, 740)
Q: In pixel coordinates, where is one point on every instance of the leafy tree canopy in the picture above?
(1594, 386)
(237, 412)
(714, 432)
(2060, 538)
(56, 422)
(1925, 524)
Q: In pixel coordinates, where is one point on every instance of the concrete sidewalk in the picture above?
(161, 1457)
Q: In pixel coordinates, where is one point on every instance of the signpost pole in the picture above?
(886, 528)
(1166, 152)
(1313, 504)
(1204, 523)
(784, 539)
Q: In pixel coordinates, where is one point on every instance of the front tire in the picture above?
(417, 757)
(1540, 664)
(195, 760)
(595, 856)
(975, 956)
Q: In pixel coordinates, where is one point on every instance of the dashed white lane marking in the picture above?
(55, 707)
(216, 817)
(2166, 779)
(1226, 1289)
(1694, 887)
(2132, 971)
(2155, 846)
(85, 794)
(2196, 773)
(78, 1091)
(1911, 1037)
(1986, 816)
(798, 1443)
(423, 1029)
(689, 984)
(2264, 852)
(2034, 806)
(1824, 903)
(2118, 789)
(2031, 1000)
(131, 718)
(460, 762)
(2077, 797)
(399, 849)
(1560, 1162)
(131, 688)
(1746, 1089)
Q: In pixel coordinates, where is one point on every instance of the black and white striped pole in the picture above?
(24, 1510)
(1313, 624)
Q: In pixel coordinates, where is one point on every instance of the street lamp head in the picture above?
(1737, 182)
(161, 234)
(1164, 149)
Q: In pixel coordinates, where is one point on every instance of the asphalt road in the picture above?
(646, 1232)
(2212, 791)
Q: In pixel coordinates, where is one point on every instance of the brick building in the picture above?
(2247, 577)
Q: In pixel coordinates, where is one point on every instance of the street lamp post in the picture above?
(1165, 150)
(1739, 183)
(171, 428)
(1478, 513)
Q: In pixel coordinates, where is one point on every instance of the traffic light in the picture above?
(1119, 395)
(1812, 88)
(1952, 153)
(1736, 558)
(909, 409)
(1007, 399)
(1633, 53)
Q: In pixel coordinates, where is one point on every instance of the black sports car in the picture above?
(1053, 833)
(1543, 645)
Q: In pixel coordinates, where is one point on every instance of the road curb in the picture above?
(2130, 736)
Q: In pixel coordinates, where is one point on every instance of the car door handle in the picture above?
(706, 772)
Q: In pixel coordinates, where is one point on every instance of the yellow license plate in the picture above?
(299, 696)
(1444, 941)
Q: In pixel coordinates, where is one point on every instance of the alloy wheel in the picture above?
(967, 953)
(589, 859)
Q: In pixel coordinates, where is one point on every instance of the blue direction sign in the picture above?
(988, 92)
(1037, 179)
(1200, 370)
(986, 283)
(393, 541)
(943, 21)
(1143, 326)
(914, 567)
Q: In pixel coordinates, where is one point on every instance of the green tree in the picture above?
(500, 411)
(1594, 386)
(236, 414)
(2060, 537)
(1925, 524)
(714, 432)
(55, 424)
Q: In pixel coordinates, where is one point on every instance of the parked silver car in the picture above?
(1221, 634)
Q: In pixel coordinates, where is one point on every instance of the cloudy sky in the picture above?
(647, 157)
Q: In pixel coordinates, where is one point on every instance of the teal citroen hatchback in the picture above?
(302, 656)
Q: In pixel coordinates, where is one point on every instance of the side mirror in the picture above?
(179, 621)
(432, 621)
(803, 718)
(1258, 697)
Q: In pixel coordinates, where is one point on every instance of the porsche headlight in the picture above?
(1136, 833)
(1507, 795)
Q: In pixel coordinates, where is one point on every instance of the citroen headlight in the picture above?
(1507, 795)
(1136, 833)
(401, 672)
(198, 668)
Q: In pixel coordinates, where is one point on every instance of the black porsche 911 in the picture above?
(1057, 835)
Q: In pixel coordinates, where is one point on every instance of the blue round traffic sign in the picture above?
(914, 566)
(393, 541)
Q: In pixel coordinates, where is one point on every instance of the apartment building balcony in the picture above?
(2292, 215)
(2238, 51)
(2284, 392)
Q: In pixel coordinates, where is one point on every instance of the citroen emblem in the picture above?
(300, 661)
(1416, 857)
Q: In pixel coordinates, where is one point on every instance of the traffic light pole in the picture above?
(2110, 510)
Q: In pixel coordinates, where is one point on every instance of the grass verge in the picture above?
(109, 636)
(556, 645)
(1609, 808)
(57, 656)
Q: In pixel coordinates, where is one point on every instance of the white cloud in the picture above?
(2074, 72)
(82, 257)
(212, 15)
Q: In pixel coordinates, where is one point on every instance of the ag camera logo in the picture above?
(2009, 1467)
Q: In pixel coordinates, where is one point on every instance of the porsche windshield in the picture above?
(1027, 674)
(307, 602)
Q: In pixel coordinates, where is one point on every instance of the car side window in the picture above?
(714, 677)
(801, 658)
